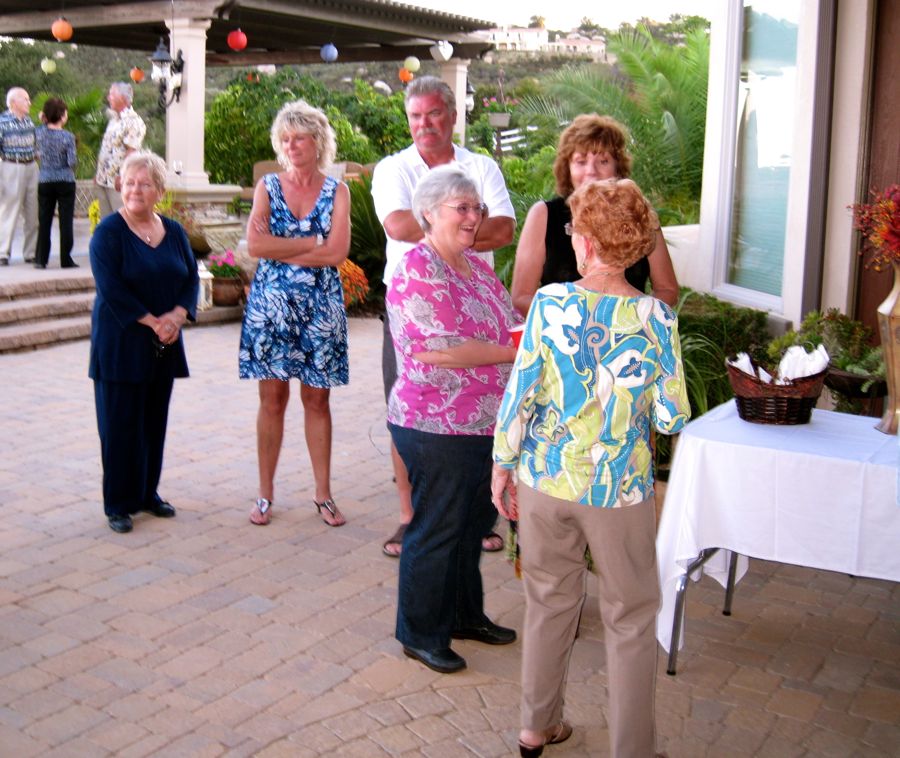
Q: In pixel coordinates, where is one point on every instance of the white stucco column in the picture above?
(455, 73)
(185, 118)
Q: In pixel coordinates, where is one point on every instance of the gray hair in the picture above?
(156, 167)
(427, 85)
(124, 90)
(300, 116)
(436, 186)
(11, 95)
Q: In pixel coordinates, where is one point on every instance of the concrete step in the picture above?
(51, 282)
(28, 309)
(33, 334)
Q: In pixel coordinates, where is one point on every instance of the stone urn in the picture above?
(227, 291)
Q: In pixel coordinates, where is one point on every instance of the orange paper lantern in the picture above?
(406, 76)
(61, 30)
(137, 75)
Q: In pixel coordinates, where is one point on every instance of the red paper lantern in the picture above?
(61, 30)
(237, 40)
(406, 76)
(137, 75)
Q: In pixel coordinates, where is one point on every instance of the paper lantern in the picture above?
(412, 64)
(48, 66)
(329, 53)
(61, 30)
(441, 51)
(237, 40)
(136, 74)
(405, 75)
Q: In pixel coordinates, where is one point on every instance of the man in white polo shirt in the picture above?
(431, 113)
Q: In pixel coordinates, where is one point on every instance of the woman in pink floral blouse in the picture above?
(450, 318)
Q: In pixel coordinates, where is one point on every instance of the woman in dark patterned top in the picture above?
(591, 147)
(56, 182)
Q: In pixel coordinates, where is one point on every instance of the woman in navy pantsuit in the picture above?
(147, 283)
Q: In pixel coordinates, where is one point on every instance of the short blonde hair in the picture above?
(595, 134)
(156, 167)
(300, 116)
(617, 218)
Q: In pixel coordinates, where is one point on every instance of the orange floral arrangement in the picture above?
(355, 283)
(879, 221)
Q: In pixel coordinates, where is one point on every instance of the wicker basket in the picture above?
(763, 403)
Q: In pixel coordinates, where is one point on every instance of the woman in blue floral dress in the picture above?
(295, 325)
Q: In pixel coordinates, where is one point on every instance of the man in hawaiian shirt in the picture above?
(18, 175)
(124, 134)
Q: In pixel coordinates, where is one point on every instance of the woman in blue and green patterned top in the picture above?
(599, 364)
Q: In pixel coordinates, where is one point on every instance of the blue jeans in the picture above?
(440, 579)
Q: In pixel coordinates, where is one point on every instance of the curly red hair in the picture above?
(617, 218)
(590, 133)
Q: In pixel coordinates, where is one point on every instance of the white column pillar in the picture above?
(455, 73)
(185, 119)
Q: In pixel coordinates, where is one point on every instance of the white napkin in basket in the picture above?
(742, 362)
(797, 363)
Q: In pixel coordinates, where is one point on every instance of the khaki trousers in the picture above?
(18, 196)
(553, 534)
(109, 199)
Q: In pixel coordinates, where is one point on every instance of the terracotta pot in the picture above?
(889, 327)
(227, 292)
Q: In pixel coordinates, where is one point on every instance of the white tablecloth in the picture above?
(822, 494)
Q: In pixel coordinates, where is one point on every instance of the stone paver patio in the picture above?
(207, 636)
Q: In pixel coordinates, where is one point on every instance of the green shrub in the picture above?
(368, 239)
(367, 125)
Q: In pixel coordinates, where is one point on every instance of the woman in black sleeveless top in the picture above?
(592, 147)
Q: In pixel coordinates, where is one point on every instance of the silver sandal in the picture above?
(330, 506)
(259, 514)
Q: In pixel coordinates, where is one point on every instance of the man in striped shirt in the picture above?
(18, 175)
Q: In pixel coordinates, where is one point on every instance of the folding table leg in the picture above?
(678, 620)
(729, 589)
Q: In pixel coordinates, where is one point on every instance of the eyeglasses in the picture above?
(463, 209)
(570, 230)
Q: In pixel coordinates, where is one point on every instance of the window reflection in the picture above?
(765, 124)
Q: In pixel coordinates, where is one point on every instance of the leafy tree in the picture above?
(659, 94)
(589, 28)
(240, 119)
(537, 22)
(381, 118)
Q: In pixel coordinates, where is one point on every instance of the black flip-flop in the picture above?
(492, 549)
(395, 539)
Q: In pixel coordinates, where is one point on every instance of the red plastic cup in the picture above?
(516, 334)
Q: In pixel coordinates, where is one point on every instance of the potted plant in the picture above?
(228, 287)
(497, 112)
(856, 373)
(879, 222)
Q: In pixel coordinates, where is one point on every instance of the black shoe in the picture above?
(4, 261)
(120, 524)
(30, 260)
(70, 264)
(40, 265)
(442, 660)
(489, 633)
(160, 509)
